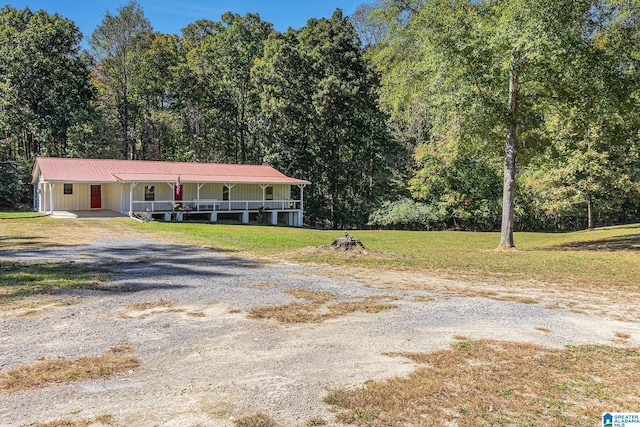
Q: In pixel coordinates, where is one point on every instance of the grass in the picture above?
(20, 280)
(491, 383)
(320, 308)
(258, 420)
(141, 306)
(143, 310)
(100, 420)
(599, 262)
(47, 372)
(20, 215)
(263, 420)
(607, 255)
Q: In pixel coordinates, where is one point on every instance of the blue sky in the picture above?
(170, 16)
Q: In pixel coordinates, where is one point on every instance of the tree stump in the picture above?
(347, 244)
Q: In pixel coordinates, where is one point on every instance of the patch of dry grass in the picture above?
(196, 314)
(263, 284)
(369, 305)
(315, 296)
(319, 309)
(46, 232)
(34, 306)
(499, 383)
(100, 420)
(141, 306)
(258, 420)
(619, 302)
(542, 329)
(314, 422)
(47, 372)
(147, 309)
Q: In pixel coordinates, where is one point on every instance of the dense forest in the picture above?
(407, 114)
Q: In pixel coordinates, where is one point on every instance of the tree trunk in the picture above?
(508, 192)
(589, 212)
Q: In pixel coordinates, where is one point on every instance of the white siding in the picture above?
(78, 201)
(111, 197)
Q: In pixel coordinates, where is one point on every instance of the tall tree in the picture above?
(232, 53)
(158, 122)
(44, 82)
(321, 120)
(195, 86)
(118, 44)
(370, 28)
(214, 90)
(590, 167)
(485, 68)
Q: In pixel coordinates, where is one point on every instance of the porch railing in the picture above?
(216, 205)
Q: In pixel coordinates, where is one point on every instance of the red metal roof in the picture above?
(104, 170)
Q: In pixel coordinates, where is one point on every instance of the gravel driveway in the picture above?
(219, 365)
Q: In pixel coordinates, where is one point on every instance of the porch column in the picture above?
(131, 187)
(264, 193)
(230, 186)
(274, 217)
(245, 217)
(39, 195)
(199, 186)
(43, 197)
(300, 212)
(51, 197)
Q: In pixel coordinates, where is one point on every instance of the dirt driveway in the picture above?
(205, 363)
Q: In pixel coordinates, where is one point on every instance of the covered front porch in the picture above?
(182, 201)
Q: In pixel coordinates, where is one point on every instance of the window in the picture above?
(149, 193)
(268, 193)
(225, 193)
(68, 189)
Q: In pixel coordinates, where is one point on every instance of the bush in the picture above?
(407, 214)
(15, 191)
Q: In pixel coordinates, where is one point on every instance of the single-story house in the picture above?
(162, 189)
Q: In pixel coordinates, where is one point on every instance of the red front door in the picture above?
(96, 197)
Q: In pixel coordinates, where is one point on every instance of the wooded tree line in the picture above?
(398, 114)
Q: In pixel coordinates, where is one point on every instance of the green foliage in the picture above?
(407, 214)
(556, 76)
(321, 121)
(119, 44)
(44, 82)
(463, 179)
(15, 191)
(403, 98)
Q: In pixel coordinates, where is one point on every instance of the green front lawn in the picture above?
(606, 256)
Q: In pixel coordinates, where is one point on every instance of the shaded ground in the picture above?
(204, 362)
(627, 243)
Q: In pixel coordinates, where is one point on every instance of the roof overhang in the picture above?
(206, 179)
